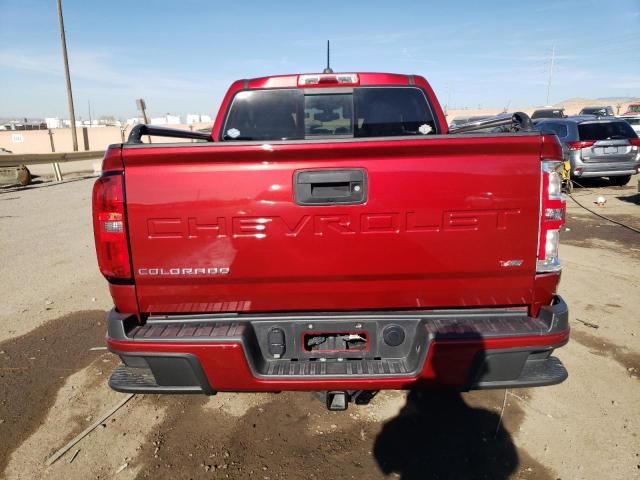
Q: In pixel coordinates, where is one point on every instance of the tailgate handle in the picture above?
(330, 187)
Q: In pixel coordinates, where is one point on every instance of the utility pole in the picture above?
(72, 115)
(553, 57)
(90, 121)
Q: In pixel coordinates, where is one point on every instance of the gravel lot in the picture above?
(52, 386)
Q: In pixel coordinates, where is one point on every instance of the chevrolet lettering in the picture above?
(336, 223)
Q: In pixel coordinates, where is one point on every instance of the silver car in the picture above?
(597, 147)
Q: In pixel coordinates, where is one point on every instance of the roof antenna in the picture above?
(328, 69)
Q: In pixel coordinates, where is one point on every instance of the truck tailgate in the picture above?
(447, 222)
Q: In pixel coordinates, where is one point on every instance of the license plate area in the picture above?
(607, 150)
(321, 339)
(334, 342)
(344, 345)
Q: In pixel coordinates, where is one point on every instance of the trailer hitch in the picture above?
(338, 400)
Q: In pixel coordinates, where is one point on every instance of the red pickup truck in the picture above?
(332, 234)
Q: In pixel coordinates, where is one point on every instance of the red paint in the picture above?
(112, 161)
(441, 214)
(551, 148)
(124, 297)
(544, 288)
(447, 364)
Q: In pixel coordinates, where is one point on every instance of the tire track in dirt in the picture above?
(34, 366)
(584, 230)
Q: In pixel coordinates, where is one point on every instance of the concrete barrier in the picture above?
(13, 160)
(98, 138)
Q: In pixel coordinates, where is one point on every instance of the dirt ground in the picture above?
(53, 381)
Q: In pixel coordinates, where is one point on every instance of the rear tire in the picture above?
(619, 181)
(569, 185)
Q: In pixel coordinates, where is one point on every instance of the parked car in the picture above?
(331, 235)
(548, 113)
(633, 109)
(634, 121)
(598, 111)
(597, 147)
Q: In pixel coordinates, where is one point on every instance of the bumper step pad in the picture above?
(535, 373)
(287, 368)
(141, 380)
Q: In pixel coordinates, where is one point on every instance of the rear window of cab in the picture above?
(298, 114)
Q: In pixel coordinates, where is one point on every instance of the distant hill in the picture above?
(574, 105)
(596, 101)
(571, 105)
(621, 99)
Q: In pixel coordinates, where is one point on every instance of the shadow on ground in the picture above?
(593, 182)
(450, 435)
(635, 199)
(34, 366)
(438, 435)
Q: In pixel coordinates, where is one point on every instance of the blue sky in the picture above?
(182, 55)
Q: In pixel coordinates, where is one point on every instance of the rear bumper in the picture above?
(603, 169)
(462, 349)
(599, 172)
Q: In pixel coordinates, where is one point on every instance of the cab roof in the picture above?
(361, 78)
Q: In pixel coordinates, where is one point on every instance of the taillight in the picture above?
(552, 216)
(110, 227)
(580, 144)
(635, 142)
